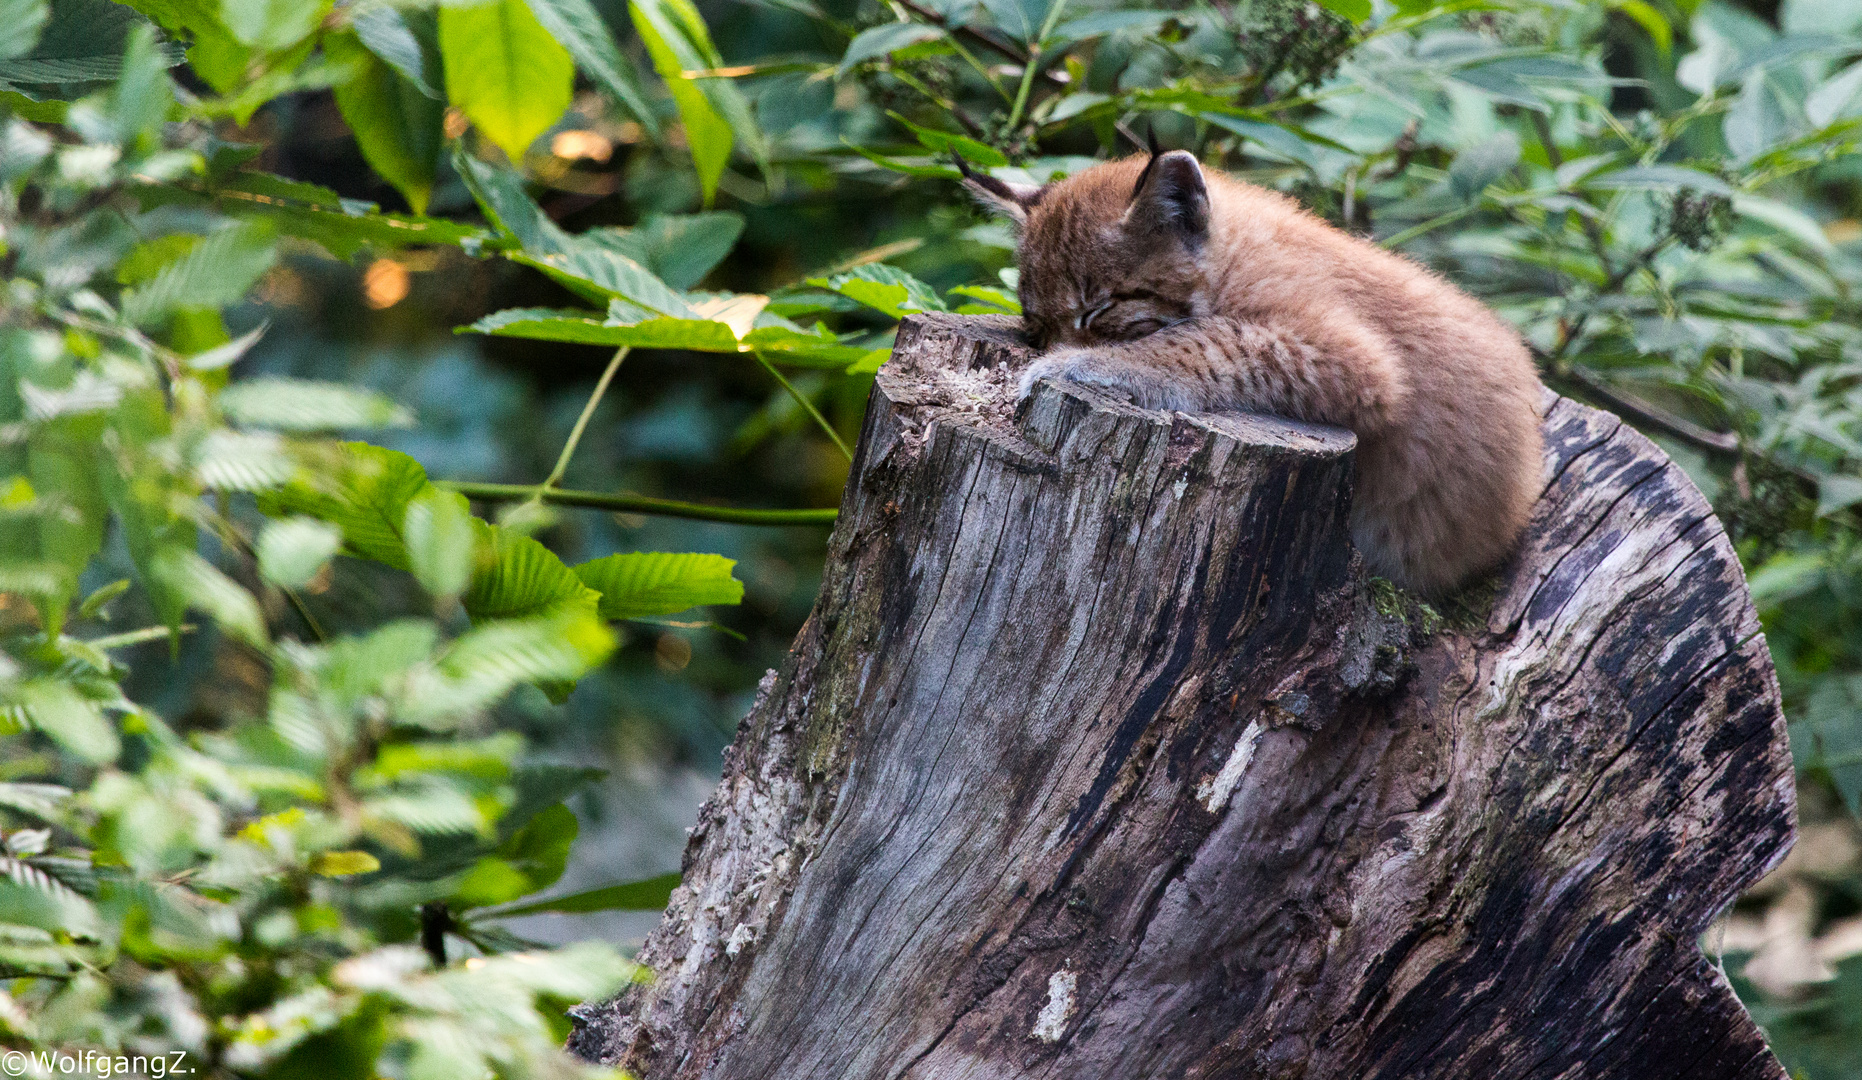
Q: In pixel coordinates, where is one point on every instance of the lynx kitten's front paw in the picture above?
(1074, 365)
(1142, 384)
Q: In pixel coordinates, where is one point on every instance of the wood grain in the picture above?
(1099, 758)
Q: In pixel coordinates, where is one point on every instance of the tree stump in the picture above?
(1099, 757)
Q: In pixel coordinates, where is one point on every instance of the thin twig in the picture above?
(639, 504)
(988, 41)
(1719, 443)
(137, 637)
(807, 405)
(581, 422)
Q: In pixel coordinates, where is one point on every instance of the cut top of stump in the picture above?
(1099, 758)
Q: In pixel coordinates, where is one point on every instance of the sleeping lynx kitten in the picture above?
(1197, 292)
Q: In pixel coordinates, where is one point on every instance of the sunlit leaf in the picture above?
(441, 540)
(640, 584)
(397, 126)
(292, 550)
(505, 71)
(303, 405)
(883, 288)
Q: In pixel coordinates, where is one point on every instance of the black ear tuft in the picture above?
(1172, 198)
(1150, 140)
(1011, 200)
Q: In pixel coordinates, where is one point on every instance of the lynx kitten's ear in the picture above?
(1171, 198)
(1012, 201)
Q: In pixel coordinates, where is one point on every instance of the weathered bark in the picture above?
(1100, 758)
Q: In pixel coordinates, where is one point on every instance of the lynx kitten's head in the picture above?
(1113, 253)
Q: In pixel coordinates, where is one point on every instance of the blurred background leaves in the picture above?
(619, 273)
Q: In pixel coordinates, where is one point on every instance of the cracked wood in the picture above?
(1099, 758)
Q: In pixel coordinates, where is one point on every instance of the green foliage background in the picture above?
(413, 410)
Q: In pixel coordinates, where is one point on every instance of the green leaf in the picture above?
(1664, 178)
(1651, 20)
(304, 405)
(483, 665)
(675, 37)
(500, 194)
(272, 25)
(989, 294)
(20, 23)
(540, 850)
(649, 895)
(699, 335)
(943, 142)
(518, 577)
(208, 590)
(397, 127)
(293, 549)
(505, 72)
(72, 721)
(356, 667)
(214, 273)
(640, 584)
(602, 275)
(1478, 166)
(877, 41)
(679, 248)
(441, 540)
(387, 34)
(366, 497)
(580, 28)
(1355, 11)
(883, 288)
(343, 863)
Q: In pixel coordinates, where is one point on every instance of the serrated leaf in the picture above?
(602, 275)
(641, 584)
(304, 405)
(441, 539)
(484, 664)
(518, 577)
(581, 30)
(680, 249)
(397, 127)
(228, 354)
(883, 288)
(212, 274)
(367, 500)
(292, 550)
(228, 460)
(500, 194)
(387, 34)
(699, 335)
(505, 72)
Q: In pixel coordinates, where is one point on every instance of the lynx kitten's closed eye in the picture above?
(1196, 292)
